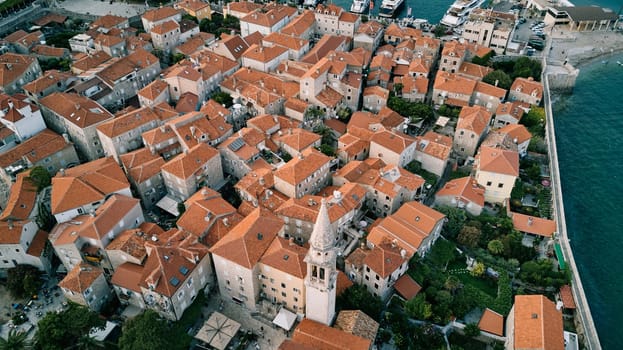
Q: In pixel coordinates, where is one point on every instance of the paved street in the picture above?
(272, 335)
(100, 8)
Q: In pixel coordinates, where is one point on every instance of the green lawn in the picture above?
(484, 284)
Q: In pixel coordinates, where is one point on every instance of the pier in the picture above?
(565, 81)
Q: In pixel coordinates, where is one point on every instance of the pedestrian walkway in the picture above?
(101, 8)
(269, 335)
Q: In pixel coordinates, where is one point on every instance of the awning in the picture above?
(169, 205)
(561, 258)
(285, 319)
(218, 331)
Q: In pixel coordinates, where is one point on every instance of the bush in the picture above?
(23, 281)
(471, 330)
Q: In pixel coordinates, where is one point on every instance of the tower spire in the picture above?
(323, 236)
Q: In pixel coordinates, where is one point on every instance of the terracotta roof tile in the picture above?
(185, 165)
(492, 322)
(49, 78)
(132, 242)
(357, 323)
(168, 259)
(513, 109)
(533, 225)
(38, 244)
(465, 188)
(160, 13)
(286, 256)
(528, 86)
(300, 24)
(22, 199)
(91, 61)
(128, 276)
(474, 70)
(297, 170)
(322, 337)
(81, 277)
(35, 149)
(516, 132)
(566, 296)
(12, 66)
(538, 325)
(454, 83)
(76, 109)
(498, 161)
(86, 183)
(246, 242)
(407, 287)
(475, 119)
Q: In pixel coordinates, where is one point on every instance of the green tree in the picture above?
(23, 281)
(45, 220)
(357, 297)
(484, 60)
(471, 330)
(326, 133)
(525, 67)
(62, 330)
(223, 98)
(452, 284)
(498, 78)
(478, 269)
(469, 236)
(15, 341)
(40, 177)
(327, 150)
(443, 252)
(419, 308)
(456, 219)
(495, 247)
(177, 57)
(440, 30)
(504, 301)
(146, 332)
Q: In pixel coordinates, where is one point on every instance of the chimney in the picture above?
(530, 220)
(286, 66)
(496, 82)
(192, 131)
(226, 222)
(10, 104)
(66, 138)
(291, 241)
(92, 213)
(394, 243)
(262, 181)
(10, 223)
(62, 171)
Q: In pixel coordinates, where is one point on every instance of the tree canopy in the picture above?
(23, 281)
(61, 330)
(419, 308)
(498, 77)
(223, 98)
(147, 332)
(40, 177)
(416, 111)
(357, 297)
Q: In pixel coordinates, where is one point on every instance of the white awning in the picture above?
(169, 205)
(442, 121)
(285, 319)
(218, 331)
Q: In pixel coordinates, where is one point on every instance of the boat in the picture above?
(312, 3)
(389, 8)
(360, 6)
(459, 11)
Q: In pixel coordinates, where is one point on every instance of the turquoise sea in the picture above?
(589, 130)
(589, 133)
(432, 10)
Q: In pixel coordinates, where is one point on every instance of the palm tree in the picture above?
(15, 341)
(496, 247)
(452, 284)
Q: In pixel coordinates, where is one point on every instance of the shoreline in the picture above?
(580, 52)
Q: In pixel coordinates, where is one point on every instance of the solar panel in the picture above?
(236, 144)
(174, 281)
(183, 270)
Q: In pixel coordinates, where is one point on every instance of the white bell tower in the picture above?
(321, 279)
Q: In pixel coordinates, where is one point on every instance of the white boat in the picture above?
(360, 6)
(310, 2)
(389, 8)
(459, 11)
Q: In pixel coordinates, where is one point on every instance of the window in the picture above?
(376, 286)
(367, 278)
(283, 285)
(367, 269)
(377, 277)
(283, 294)
(500, 185)
(488, 183)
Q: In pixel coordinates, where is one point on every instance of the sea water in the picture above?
(589, 134)
(432, 10)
